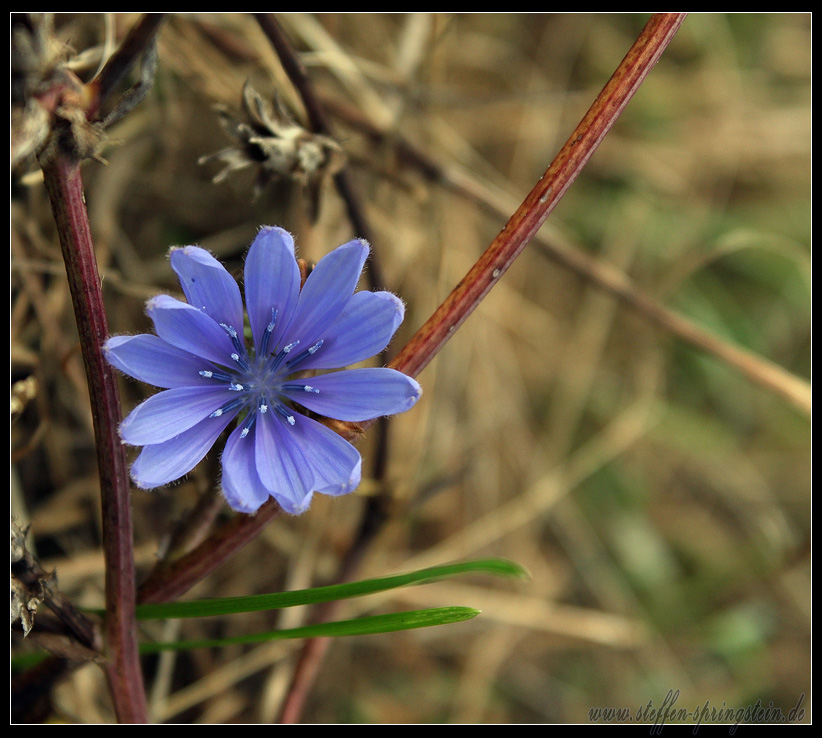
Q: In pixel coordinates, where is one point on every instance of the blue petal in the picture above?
(281, 464)
(336, 463)
(356, 394)
(363, 329)
(169, 413)
(272, 281)
(164, 462)
(208, 286)
(241, 483)
(153, 361)
(326, 292)
(189, 329)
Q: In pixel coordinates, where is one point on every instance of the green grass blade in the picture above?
(230, 605)
(360, 626)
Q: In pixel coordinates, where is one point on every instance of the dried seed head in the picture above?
(270, 140)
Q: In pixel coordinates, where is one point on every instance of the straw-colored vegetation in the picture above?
(659, 497)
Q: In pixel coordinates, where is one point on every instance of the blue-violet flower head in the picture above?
(199, 358)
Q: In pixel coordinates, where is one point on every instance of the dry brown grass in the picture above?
(660, 501)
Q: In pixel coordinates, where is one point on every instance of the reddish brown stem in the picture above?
(170, 580)
(541, 201)
(65, 188)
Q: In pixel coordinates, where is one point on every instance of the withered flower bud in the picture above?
(49, 103)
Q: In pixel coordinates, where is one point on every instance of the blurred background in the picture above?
(659, 499)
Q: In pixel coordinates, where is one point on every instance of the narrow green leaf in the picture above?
(360, 626)
(254, 603)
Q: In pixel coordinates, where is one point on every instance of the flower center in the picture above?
(260, 382)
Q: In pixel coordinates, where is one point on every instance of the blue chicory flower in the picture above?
(199, 358)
